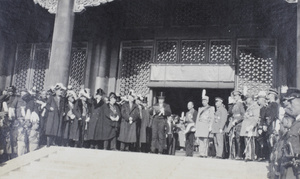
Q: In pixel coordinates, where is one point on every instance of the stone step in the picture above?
(63, 162)
(50, 170)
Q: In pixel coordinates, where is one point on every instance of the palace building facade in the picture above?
(177, 46)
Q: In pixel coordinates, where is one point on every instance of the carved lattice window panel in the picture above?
(193, 51)
(220, 51)
(22, 66)
(144, 13)
(256, 70)
(77, 70)
(32, 61)
(135, 70)
(40, 64)
(166, 51)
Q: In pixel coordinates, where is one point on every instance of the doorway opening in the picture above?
(178, 98)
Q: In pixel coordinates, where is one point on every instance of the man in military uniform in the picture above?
(279, 155)
(204, 120)
(235, 125)
(190, 119)
(262, 147)
(249, 130)
(271, 115)
(292, 145)
(218, 126)
(160, 111)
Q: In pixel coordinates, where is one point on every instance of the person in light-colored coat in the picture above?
(249, 127)
(203, 125)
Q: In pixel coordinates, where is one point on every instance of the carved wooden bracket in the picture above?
(79, 5)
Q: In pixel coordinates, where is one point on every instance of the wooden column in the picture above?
(298, 47)
(61, 44)
(2, 62)
(103, 69)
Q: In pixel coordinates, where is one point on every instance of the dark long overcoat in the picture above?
(55, 117)
(95, 125)
(76, 125)
(110, 127)
(66, 123)
(145, 122)
(127, 129)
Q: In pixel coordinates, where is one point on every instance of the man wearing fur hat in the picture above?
(55, 106)
(160, 111)
(204, 121)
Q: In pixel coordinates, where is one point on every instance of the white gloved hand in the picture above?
(34, 118)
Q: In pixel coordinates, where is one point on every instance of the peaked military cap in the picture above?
(292, 93)
(219, 99)
(272, 91)
(236, 93)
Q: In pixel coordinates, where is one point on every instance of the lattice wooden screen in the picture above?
(135, 69)
(32, 61)
(166, 51)
(22, 65)
(220, 51)
(40, 64)
(193, 51)
(256, 66)
(77, 70)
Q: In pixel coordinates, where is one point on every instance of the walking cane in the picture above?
(207, 145)
(248, 141)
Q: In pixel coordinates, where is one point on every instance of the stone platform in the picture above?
(62, 162)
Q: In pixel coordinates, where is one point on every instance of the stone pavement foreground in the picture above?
(62, 162)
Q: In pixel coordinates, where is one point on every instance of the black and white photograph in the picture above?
(150, 89)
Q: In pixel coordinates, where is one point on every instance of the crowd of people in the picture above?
(264, 127)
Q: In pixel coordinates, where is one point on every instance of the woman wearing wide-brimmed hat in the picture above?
(55, 107)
